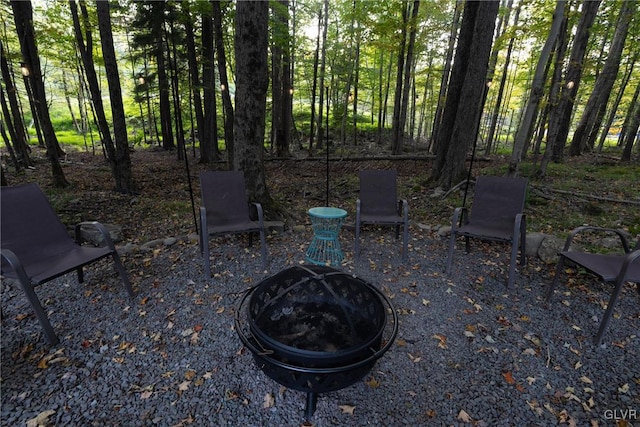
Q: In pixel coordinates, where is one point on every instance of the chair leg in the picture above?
(606, 319)
(123, 274)
(556, 277)
(405, 241)
(50, 335)
(452, 246)
(263, 248)
(356, 248)
(512, 264)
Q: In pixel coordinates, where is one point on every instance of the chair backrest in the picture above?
(498, 199)
(224, 197)
(378, 192)
(30, 226)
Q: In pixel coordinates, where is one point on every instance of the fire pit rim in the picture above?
(280, 348)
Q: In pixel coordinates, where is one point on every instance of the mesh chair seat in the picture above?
(616, 268)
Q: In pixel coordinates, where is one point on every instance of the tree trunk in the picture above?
(501, 88)
(314, 84)
(23, 17)
(13, 116)
(525, 130)
(444, 82)
(323, 67)
(281, 79)
(194, 73)
(227, 106)
(406, 86)
(616, 103)
(397, 133)
(466, 90)
(121, 163)
(252, 81)
(560, 122)
(208, 132)
(633, 122)
(597, 103)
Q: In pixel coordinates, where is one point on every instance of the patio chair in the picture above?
(497, 215)
(225, 210)
(37, 248)
(378, 204)
(613, 267)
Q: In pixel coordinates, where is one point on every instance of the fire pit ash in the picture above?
(315, 329)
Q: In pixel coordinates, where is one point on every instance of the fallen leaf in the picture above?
(529, 351)
(442, 340)
(373, 382)
(586, 379)
(190, 374)
(269, 401)
(145, 395)
(184, 385)
(347, 409)
(42, 419)
(624, 388)
(464, 417)
(508, 377)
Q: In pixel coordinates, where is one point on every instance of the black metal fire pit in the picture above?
(315, 329)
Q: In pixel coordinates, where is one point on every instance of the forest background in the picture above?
(532, 85)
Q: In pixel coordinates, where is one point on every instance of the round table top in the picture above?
(326, 212)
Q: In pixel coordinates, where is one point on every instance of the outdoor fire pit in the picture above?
(315, 329)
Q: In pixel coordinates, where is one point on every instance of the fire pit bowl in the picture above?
(315, 329)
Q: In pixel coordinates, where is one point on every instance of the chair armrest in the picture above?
(630, 258)
(460, 215)
(98, 226)
(578, 230)
(15, 263)
(403, 209)
(260, 212)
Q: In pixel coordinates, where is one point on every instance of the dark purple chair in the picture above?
(37, 248)
(378, 204)
(613, 267)
(496, 214)
(225, 210)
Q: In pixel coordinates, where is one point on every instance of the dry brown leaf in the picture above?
(508, 377)
(442, 340)
(184, 385)
(373, 382)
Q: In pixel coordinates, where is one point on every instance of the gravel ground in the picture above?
(467, 351)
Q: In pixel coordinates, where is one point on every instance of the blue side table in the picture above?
(325, 247)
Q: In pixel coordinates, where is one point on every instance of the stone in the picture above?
(549, 248)
(92, 235)
(443, 231)
(169, 241)
(534, 240)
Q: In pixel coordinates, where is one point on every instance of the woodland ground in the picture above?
(467, 352)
